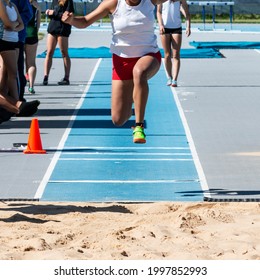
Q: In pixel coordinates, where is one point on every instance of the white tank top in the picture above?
(133, 29)
(171, 15)
(10, 36)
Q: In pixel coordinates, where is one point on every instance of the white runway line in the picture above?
(57, 154)
(120, 148)
(125, 159)
(202, 177)
(130, 154)
(122, 181)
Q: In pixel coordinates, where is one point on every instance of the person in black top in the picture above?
(58, 32)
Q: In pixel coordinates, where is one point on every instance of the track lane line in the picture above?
(57, 154)
(198, 166)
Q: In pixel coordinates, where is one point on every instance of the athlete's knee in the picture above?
(64, 53)
(120, 120)
(167, 55)
(176, 54)
(139, 74)
(49, 54)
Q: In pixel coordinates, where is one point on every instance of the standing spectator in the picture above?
(31, 44)
(10, 24)
(58, 33)
(9, 43)
(135, 55)
(170, 25)
(25, 10)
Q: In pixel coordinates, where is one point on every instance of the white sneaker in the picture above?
(169, 82)
(174, 83)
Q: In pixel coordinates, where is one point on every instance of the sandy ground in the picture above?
(129, 231)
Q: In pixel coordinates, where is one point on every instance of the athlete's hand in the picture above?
(49, 12)
(67, 17)
(188, 32)
(161, 29)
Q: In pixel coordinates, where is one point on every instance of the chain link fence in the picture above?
(240, 7)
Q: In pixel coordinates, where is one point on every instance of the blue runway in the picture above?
(100, 163)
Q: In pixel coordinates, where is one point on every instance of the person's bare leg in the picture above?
(9, 74)
(121, 101)
(176, 48)
(51, 44)
(1, 72)
(166, 44)
(145, 68)
(64, 46)
(7, 104)
(30, 58)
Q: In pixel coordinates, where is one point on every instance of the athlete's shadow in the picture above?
(225, 195)
(52, 209)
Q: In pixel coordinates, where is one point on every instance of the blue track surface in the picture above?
(104, 52)
(99, 162)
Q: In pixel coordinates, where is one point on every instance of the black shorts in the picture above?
(8, 46)
(173, 30)
(31, 40)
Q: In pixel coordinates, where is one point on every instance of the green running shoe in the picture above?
(31, 90)
(139, 135)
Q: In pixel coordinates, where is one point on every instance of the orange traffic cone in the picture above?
(34, 145)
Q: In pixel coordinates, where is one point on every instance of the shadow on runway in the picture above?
(51, 209)
(47, 124)
(71, 112)
(215, 195)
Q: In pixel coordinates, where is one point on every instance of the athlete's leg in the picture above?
(176, 48)
(9, 68)
(30, 58)
(51, 44)
(145, 68)
(166, 44)
(121, 101)
(64, 46)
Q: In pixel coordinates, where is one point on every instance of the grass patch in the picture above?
(40, 35)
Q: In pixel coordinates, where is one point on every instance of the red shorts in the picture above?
(123, 67)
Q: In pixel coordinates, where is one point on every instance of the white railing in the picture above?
(213, 4)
